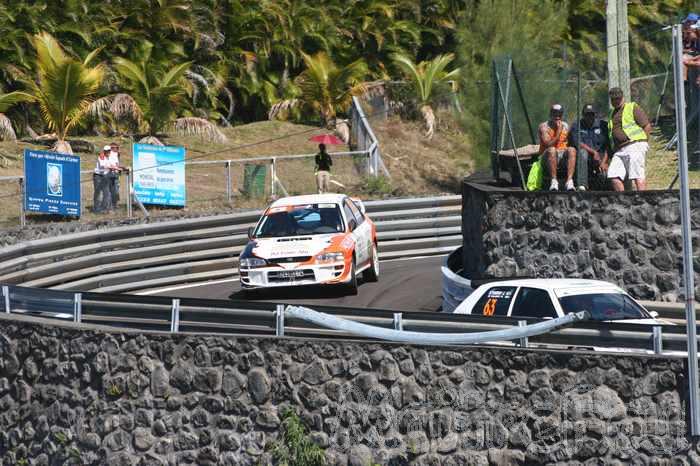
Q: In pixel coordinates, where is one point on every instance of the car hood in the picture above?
(293, 246)
(650, 321)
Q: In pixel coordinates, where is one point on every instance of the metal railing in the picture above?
(248, 318)
(153, 255)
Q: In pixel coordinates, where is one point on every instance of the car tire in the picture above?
(372, 273)
(351, 285)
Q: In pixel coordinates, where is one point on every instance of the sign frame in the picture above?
(159, 176)
(52, 183)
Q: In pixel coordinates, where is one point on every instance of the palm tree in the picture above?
(425, 77)
(328, 88)
(153, 96)
(7, 101)
(65, 87)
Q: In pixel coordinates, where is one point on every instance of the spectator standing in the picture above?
(101, 199)
(629, 130)
(554, 149)
(590, 135)
(323, 169)
(116, 169)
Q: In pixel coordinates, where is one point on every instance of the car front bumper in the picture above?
(302, 274)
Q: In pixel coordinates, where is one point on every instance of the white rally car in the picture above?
(556, 297)
(310, 240)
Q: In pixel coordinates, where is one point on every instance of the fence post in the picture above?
(77, 308)
(6, 295)
(273, 175)
(658, 340)
(279, 320)
(128, 195)
(228, 181)
(398, 321)
(523, 341)
(22, 214)
(175, 316)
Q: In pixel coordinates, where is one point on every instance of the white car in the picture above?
(311, 240)
(556, 297)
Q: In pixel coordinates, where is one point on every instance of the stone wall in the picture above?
(632, 239)
(95, 397)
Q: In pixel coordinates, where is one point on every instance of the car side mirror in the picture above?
(654, 314)
(352, 224)
(251, 230)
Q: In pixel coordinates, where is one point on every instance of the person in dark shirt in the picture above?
(323, 169)
(590, 135)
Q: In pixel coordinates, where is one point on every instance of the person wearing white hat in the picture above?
(554, 150)
(101, 199)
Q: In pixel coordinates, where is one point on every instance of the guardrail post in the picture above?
(279, 320)
(228, 181)
(273, 176)
(398, 321)
(77, 308)
(658, 340)
(523, 341)
(22, 214)
(127, 196)
(6, 295)
(175, 316)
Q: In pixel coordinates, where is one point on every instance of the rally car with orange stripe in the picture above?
(311, 240)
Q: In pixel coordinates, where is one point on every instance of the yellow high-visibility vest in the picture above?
(629, 126)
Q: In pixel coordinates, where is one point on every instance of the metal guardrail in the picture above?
(153, 255)
(246, 318)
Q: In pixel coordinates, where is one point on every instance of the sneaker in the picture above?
(570, 185)
(582, 188)
(554, 186)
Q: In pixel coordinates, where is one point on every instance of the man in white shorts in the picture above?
(628, 131)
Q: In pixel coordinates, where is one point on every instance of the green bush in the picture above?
(296, 448)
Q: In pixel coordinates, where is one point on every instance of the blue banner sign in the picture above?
(52, 183)
(159, 174)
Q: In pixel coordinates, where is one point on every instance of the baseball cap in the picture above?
(692, 17)
(107, 148)
(556, 108)
(588, 108)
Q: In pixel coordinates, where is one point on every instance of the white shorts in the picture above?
(629, 162)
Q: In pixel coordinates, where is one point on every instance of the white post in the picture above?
(228, 181)
(611, 36)
(273, 174)
(128, 195)
(175, 316)
(688, 272)
(6, 295)
(523, 341)
(623, 48)
(279, 320)
(398, 321)
(77, 308)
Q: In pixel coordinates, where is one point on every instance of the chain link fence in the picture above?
(521, 99)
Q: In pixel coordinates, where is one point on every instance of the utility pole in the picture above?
(618, 46)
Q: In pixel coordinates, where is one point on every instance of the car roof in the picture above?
(309, 199)
(562, 286)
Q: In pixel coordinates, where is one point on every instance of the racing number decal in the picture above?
(490, 307)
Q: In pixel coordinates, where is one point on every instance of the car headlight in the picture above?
(329, 257)
(252, 262)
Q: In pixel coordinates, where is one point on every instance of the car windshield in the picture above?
(300, 220)
(604, 306)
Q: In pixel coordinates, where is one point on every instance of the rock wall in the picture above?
(95, 397)
(632, 239)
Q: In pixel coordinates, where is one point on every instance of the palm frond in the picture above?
(282, 107)
(6, 129)
(11, 98)
(124, 106)
(193, 126)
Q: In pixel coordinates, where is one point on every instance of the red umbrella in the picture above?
(326, 139)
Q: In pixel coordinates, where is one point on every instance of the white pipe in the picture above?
(421, 338)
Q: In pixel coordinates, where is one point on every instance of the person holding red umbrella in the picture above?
(323, 169)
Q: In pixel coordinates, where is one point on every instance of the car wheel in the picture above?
(352, 283)
(372, 273)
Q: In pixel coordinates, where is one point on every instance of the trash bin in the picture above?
(254, 180)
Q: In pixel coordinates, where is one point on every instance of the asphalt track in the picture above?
(404, 285)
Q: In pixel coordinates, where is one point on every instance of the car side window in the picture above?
(348, 213)
(359, 218)
(533, 302)
(495, 302)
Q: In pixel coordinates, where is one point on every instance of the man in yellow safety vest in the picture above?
(628, 131)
